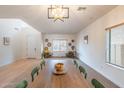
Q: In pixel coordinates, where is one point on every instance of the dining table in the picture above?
(72, 78)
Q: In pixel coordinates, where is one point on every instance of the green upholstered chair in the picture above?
(34, 71)
(22, 84)
(97, 84)
(82, 70)
(42, 63)
(41, 66)
(75, 63)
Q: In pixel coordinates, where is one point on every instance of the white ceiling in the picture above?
(37, 17)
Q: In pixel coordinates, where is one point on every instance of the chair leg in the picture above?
(41, 66)
(44, 63)
(85, 75)
(37, 72)
(32, 78)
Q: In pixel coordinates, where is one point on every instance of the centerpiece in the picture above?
(59, 69)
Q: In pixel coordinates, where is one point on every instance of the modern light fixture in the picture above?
(58, 12)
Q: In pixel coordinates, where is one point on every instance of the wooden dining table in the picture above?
(71, 79)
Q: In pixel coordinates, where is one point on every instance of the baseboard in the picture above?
(91, 73)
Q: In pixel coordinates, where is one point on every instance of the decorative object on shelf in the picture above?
(49, 44)
(6, 40)
(86, 39)
(58, 12)
(70, 54)
(72, 47)
(47, 53)
(69, 44)
(46, 40)
(72, 40)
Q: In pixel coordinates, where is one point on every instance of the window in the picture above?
(115, 45)
(59, 45)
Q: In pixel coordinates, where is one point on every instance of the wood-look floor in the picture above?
(11, 74)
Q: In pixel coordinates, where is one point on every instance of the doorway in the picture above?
(31, 47)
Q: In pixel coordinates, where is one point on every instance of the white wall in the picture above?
(93, 53)
(18, 31)
(51, 37)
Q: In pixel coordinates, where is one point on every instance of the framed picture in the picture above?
(6, 40)
(69, 44)
(86, 39)
(46, 40)
(49, 44)
(73, 47)
(72, 40)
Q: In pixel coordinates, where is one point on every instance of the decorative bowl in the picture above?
(59, 66)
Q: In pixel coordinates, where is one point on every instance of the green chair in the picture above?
(82, 70)
(34, 71)
(75, 63)
(22, 84)
(42, 63)
(97, 84)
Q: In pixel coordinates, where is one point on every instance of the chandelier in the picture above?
(58, 12)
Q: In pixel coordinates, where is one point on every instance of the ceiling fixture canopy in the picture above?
(58, 12)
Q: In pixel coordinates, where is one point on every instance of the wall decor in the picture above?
(46, 40)
(73, 47)
(49, 44)
(69, 44)
(86, 39)
(72, 40)
(6, 40)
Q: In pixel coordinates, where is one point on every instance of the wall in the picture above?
(17, 31)
(94, 53)
(51, 37)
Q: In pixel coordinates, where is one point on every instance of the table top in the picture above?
(47, 79)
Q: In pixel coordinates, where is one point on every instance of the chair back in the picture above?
(22, 84)
(34, 71)
(42, 61)
(97, 84)
(75, 63)
(82, 70)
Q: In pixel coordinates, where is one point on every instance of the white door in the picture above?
(31, 47)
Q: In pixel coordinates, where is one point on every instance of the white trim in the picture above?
(118, 67)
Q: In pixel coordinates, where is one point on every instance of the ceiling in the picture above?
(36, 16)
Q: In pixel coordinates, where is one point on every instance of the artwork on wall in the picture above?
(86, 39)
(49, 44)
(72, 40)
(69, 44)
(72, 47)
(46, 40)
(6, 40)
